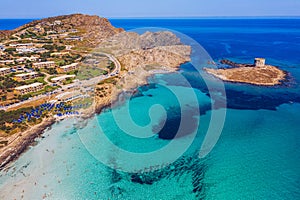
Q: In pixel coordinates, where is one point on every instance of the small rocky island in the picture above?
(257, 74)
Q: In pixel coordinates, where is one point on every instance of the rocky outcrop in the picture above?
(150, 40)
(166, 56)
(125, 42)
(138, 66)
(5, 34)
(234, 64)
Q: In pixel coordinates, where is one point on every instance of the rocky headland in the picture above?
(140, 56)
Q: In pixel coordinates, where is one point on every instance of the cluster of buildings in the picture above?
(7, 62)
(25, 59)
(55, 23)
(22, 48)
(20, 60)
(39, 27)
(33, 75)
(22, 45)
(63, 36)
(53, 31)
(21, 63)
(51, 64)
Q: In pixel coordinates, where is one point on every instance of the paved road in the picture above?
(84, 83)
(117, 63)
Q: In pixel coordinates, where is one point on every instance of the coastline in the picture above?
(20, 144)
(139, 62)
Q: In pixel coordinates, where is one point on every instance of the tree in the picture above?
(10, 50)
(3, 98)
(48, 47)
(51, 71)
(45, 55)
(60, 48)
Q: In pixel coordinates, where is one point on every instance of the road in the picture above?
(84, 83)
(117, 63)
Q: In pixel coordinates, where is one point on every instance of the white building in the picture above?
(259, 62)
(21, 50)
(6, 62)
(25, 50)
(47, 64)
(57, 22)
(21, 45)
(59, 53)
(74, 38)
(26, 76)
(24, 59)
(62, 78)
(40, 50)
(51, 32)
(67, 68)
(34, 87)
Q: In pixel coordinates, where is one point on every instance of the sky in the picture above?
(149, 8)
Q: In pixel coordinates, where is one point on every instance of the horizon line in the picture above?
(180, 17)
(204, 17)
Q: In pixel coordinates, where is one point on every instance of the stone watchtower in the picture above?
(259, 62)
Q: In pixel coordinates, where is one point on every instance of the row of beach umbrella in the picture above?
(38, 111)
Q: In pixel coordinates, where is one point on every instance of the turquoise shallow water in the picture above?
(256, 157)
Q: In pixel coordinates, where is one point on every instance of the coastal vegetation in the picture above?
(6, 120)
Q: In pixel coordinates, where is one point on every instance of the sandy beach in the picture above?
(18, 143)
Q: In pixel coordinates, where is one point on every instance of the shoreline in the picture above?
(20, 144)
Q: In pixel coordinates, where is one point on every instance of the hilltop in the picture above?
(92, 27)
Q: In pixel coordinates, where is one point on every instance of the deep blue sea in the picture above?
(257, 155)
(10, 24)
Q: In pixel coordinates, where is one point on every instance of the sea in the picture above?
(185, 135)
